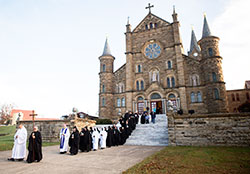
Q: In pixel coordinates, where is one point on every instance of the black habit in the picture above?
(35, 147)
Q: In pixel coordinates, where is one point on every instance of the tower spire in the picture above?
(193, 44)
(206, 31)
(106, 50)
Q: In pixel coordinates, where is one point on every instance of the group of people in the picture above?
(97, 138)
(34, 146)
(85, 141)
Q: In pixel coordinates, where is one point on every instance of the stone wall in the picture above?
(230, 129)
(50, 129)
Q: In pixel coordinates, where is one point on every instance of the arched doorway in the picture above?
(156, 103)
(140, 104)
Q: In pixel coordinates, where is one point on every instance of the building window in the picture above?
(103, 101)
(103, 68)
(137, 86)
(123, 102)
(155, 25)
(168, 83)
(169, 64)
(139, 68)
(118, 102)
(142, 85)
(247, 95)
(214, 77)
(103, 88)
(151, 25)
(155, 96)
(216, 94)
(146, 26)
(199, 96)
(237, 97)
(173, 82)
(210, 52)
(194, 80)
(233, 97)
(193, 99)
(140, 98)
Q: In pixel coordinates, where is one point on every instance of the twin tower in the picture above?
(158, 71)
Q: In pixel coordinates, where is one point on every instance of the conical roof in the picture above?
(106, 50)
(206, 31)
(193, 44)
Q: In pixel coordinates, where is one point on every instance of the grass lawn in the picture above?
(7, 141)
(195, 160)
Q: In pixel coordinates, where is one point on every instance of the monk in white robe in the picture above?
(103, 137)
(95, 139)
(64, 139)
(19, 148)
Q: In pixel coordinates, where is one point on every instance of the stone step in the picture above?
(150, 134)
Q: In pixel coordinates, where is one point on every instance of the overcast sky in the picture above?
(49, 49)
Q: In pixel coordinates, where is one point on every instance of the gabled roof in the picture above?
(150, 18)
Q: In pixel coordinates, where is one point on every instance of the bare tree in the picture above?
(5, 117)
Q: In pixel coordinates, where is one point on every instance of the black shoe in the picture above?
(11, 159)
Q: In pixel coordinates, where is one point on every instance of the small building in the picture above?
(238, 97)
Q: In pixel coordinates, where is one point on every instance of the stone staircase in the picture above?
(150, 134)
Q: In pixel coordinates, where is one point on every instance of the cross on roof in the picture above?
(149, 7)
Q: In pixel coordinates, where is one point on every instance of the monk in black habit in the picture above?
(74, 141)
(35, 146)
(85, 140)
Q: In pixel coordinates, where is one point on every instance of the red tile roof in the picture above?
(26, 115)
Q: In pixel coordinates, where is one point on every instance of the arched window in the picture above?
(155, 96)
(103, 88)
(123, 102)
(171, 96)
(168, 83)
(247, 95)
(118, 102)
(151, 25)
(199, 97)
(140, 98)
(210, 52)
(146, 26)
(139, 69)
(237, 97)
(216, 93)
(169, 64)
(173, 82)
(137, 86)
(214, 77)
(233, 97)
(103, 68)
(103, 101)
(142, 85)
(193, 99)
(155, 25)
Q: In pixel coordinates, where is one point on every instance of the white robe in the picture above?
(64, 139)
(95, 140)
(103, 137)
(19, 149)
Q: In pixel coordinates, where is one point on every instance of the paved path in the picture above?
(113, 160)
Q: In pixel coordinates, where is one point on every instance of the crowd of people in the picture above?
(98, 138)
(86, 140)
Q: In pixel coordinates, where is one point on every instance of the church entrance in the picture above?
(156, 106)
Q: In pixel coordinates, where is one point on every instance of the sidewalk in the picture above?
(113, 160)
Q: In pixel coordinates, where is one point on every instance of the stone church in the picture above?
(158, 71)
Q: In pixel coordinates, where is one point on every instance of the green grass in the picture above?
(195, 160)
(7, 141)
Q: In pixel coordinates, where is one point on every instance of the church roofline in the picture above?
(120, 68)
(146, 17)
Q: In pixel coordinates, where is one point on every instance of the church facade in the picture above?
(158, 71)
